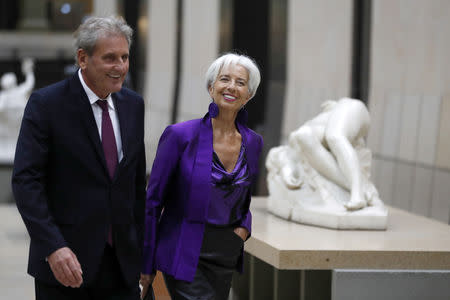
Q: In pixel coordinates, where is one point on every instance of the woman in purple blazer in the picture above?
(198, 195)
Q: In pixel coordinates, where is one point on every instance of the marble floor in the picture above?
(15, 283)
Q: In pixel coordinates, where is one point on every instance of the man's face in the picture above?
(105, 71)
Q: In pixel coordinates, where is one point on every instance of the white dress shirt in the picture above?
(98, 115)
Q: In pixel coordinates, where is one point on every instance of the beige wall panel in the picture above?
(200, 48)
(443, 147)
(417, 62)
(422, 191)
(428, 129)
(160, 75)
(409, 58)
(156, 122)
(319, 56)
(440, 205)
(391, 125)
(376, 109)
(404, 178)
(161, 54)
(375, 171)
(409, 46)
(409, 127)
(297, 113)
(388, 47)
(385, 180)
(428, 44)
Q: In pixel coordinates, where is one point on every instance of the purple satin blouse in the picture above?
(228, 191)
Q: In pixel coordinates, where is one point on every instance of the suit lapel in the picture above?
(201, 174)
(83, 108)
(123, 114)
(250, 147)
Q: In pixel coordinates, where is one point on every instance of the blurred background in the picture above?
(391, 54)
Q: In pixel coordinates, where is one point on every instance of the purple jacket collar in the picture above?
(202, 165)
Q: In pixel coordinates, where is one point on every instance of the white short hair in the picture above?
(254, 77)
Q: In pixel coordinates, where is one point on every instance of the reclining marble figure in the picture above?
(13, 98)
(322, 177)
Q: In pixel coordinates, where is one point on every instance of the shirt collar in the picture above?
(91, 95)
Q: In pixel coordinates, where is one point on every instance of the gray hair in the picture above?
(254, 77)
(93, 28)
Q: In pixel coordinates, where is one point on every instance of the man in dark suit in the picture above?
(79, 173)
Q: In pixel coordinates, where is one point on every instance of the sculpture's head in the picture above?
(8, 81)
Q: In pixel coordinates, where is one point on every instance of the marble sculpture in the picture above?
(13, 98)
(322, 177)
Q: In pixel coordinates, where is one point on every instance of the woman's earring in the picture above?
(213, 110)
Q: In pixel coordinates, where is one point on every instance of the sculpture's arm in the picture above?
(291, 177)
(279, 161)
(27, 70)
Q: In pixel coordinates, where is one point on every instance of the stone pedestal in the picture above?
(287, 260)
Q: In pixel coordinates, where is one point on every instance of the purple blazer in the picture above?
(178, 196)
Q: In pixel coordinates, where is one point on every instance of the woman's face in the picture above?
(230, 90)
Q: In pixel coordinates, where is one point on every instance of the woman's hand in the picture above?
(241, 232)
(146, 281)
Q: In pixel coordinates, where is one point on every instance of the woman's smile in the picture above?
(229, 97)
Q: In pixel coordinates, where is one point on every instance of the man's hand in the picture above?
(66, 268)
(241, 232)
(146, 281)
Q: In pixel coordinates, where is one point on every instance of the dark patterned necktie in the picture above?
(109, 148)
(108, 139)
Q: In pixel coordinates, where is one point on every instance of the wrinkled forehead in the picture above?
(106, 36)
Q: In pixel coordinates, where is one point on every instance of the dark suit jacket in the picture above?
(61, 183)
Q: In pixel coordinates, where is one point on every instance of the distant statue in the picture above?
(13, 98)
(322, 177)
